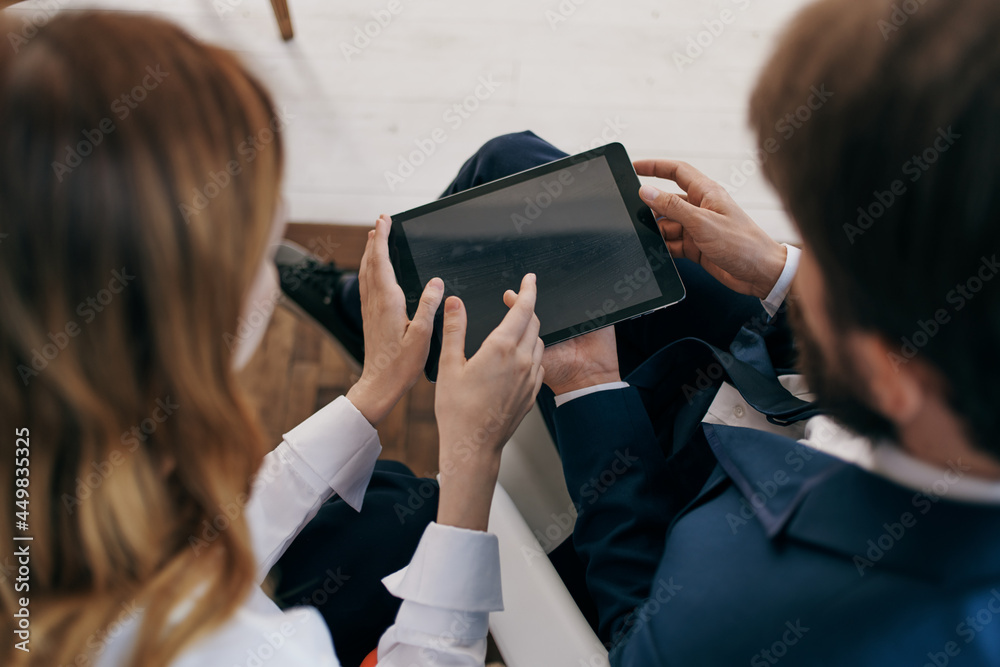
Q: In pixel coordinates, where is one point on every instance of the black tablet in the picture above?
(577, 223)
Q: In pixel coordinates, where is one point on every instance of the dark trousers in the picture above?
(336, 564)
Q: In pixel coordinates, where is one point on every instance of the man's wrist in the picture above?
(586, 380)
(772, 266)
(569, 396)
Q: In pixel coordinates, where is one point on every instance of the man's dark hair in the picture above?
(879, 124)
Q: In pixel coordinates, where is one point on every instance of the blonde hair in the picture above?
(140, 179)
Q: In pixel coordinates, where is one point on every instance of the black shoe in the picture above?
(317, 288)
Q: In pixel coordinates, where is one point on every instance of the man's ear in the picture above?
(897, 387)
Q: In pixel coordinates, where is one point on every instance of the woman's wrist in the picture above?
(373, 404)
(467, 485)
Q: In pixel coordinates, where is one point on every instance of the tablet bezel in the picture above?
(655, 249)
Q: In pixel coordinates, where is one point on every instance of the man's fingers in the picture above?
(676, 248)
(509, 298)
(679, 172)
(691, 249)
(670, 230)
(453, 336)
(423, 320)
(672, 207)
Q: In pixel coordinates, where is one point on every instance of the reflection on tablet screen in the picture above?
(570, 227)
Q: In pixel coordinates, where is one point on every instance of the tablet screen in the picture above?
(559, 225)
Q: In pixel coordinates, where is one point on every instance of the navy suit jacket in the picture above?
(780, 553)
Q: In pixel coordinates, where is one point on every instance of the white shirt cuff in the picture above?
(346, 469)
(452, 569)
(562, 399)
(781, 288)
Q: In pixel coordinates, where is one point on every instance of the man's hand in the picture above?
(479, 402)
(709, 228)
(580, 362)
(395, 348)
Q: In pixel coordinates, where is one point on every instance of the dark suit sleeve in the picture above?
(616, 474)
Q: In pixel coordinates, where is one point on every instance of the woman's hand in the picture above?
(395, 347)
(709, 228)
(479, 403)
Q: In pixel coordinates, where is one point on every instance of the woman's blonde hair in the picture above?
(139, 178)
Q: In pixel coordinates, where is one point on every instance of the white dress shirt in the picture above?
(448, 590)
(825, 434)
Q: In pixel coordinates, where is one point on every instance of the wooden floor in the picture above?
(298, 368)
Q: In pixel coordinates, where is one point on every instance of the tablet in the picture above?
(577, 223)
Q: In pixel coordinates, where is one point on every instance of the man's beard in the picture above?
(836, 383)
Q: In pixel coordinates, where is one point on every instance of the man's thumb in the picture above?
(670, 206)
(453, 333)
